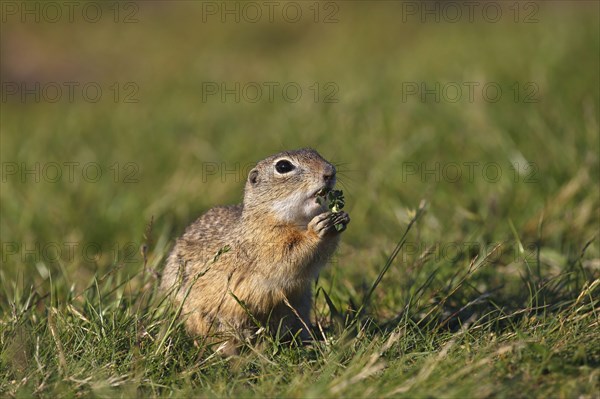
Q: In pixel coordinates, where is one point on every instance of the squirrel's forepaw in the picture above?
(329, 223)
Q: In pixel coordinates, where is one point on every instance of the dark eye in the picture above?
(284, 166)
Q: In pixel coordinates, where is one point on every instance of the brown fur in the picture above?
(278, 241)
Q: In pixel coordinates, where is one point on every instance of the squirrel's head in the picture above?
(286, 185)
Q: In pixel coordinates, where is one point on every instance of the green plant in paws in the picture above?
(336, 202)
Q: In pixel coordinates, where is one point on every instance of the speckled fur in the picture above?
(278, 240)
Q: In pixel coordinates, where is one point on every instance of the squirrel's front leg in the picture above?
(325, 223)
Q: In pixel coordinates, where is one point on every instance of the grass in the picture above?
(492, 291)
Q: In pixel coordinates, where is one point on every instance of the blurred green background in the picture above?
(155, 153)
(116, 114)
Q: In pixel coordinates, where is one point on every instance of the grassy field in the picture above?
(485, 133)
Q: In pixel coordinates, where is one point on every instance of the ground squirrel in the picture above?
(262, 253)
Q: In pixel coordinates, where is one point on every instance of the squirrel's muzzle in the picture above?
(329, 175)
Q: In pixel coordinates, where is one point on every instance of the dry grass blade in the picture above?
(62, 361)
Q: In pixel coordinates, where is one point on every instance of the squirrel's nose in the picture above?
(329, 174)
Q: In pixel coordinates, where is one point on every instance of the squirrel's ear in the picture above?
(253, 176)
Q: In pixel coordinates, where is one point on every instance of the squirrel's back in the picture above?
(201, 241)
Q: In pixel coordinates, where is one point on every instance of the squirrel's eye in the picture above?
(284, 166)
